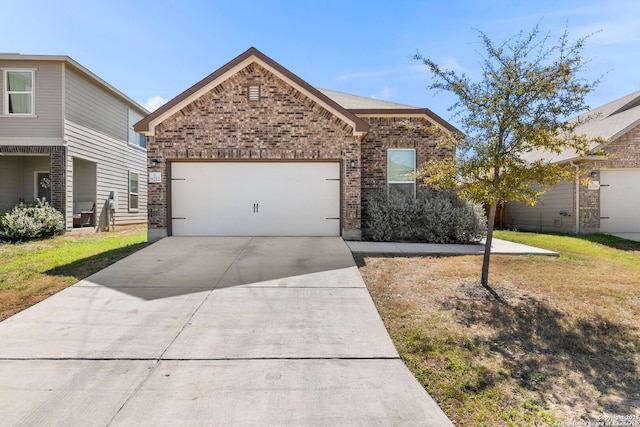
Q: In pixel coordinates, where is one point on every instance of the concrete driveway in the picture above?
(211, 331)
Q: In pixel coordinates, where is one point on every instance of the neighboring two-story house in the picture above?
(67, 135)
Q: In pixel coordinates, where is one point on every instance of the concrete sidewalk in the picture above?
(498, 247)
(211, 331)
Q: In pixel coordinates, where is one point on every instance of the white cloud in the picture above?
(451, 63)
(385, 93)
(444, 62)
(154, 103)
(364, 75)
(608, 33)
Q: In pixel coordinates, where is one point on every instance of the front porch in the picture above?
(36, 172)
(24, 178)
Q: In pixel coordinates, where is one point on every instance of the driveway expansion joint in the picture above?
(311, 335)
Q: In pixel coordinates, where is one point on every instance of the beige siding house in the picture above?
(606, 197)
(67, 135)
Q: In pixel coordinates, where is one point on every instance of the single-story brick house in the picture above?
(253, 149)
(608, 201)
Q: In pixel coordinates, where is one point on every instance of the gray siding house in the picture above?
(67, 135)
(605, 195)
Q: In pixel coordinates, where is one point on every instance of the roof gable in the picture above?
(147, 125)
(633, 104)
(68, 61)
(371, 107)
(613, 119)
(609, 122)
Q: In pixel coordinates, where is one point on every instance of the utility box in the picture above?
(113, 200)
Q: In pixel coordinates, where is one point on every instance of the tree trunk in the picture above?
(487, 247)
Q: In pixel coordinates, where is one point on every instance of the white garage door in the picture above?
(620, 201)
(255, 199)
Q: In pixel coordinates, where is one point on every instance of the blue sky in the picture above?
(153, 50)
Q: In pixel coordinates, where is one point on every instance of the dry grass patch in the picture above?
(560, 344)
(35, 270)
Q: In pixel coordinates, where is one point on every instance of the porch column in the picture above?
(58, 173)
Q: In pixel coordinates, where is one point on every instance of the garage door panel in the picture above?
(620, 201)
(255, 199)
(199, 198)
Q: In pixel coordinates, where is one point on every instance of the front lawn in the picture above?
(34, 270)
(560, 345)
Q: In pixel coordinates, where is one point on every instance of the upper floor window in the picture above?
(401, 169)
(18, 92)
(134, 137)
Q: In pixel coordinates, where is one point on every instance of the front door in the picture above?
(43, 186)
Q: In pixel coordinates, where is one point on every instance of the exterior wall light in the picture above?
(594, 174)
(352, 163)
(154, 163)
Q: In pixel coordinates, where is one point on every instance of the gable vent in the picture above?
(254, 93)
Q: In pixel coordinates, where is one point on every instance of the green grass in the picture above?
(602, 246)
(33, 270)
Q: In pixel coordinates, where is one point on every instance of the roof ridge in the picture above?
(635, 102)
(368, 98)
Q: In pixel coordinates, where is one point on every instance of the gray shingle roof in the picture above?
(354, 102)
(610, 121)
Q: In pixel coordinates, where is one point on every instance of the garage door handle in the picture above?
(256, 207)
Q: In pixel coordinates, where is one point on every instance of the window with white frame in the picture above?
(401, 169)
(18, 92)
(133, 191)
(134, 137)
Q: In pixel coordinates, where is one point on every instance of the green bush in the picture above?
(31, 221)
(432, 217)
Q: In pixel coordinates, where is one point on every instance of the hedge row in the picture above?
(431, 217)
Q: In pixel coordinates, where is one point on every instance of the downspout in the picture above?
(577, 196)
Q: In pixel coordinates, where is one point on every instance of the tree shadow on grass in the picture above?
(538, 342)
(85, 267)
(611, 241)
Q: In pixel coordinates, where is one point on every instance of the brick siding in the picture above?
(391, 132)
(58, 174)
(284, 124)
(625, 153)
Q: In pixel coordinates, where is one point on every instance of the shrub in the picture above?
(432, 217)
(32, 221)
